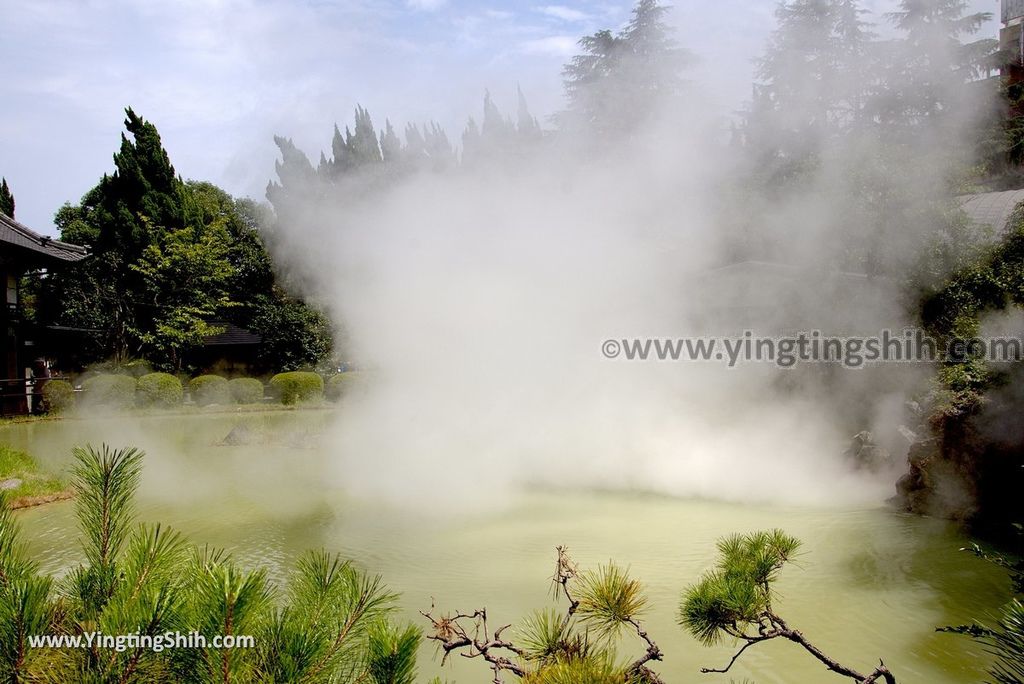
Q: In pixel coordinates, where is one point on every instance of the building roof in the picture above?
(992, 208)
(232, 335)
(784, 270)
(1012, 9)
(14, 233)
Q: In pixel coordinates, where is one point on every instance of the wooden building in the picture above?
(23, 251)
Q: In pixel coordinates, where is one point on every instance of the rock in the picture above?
(12, 483)
(907, 434)
(864, 453)
(240, 435)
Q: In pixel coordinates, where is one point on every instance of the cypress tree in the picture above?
(363, 144)
(6, 199)
(390, 145)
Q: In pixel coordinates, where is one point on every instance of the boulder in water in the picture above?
(865, 454)
(240, 435)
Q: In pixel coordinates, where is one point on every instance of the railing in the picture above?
(20, 396)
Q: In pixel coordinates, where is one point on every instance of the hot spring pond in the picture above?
(870, 583)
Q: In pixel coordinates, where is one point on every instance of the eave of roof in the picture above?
(19, 235)
(232, 335)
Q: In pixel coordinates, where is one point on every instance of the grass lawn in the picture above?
(30, 486)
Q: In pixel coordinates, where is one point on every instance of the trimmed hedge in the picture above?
(116, 391)
(296, 386)
(246, 390)
(339, 385)
(159, 390)
(209, 389)
(58, 396)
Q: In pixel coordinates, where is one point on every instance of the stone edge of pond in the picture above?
(156, 413)
(24, 502)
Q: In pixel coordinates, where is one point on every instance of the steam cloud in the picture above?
(476, 302)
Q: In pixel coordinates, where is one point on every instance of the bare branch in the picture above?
(452, 635)
(565, 570)
(750, 642)
(771, 626)
(652, 653)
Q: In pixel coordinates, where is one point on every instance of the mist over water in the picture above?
(477, 304)
(476, 301)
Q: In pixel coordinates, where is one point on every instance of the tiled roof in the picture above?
(14, 233)
(232, 334)
(993, 208)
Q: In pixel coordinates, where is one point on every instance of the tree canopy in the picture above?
(169, 259)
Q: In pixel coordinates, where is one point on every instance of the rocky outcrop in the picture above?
(865, 454)
(964, 469)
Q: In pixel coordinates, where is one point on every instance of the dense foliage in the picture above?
(169, 259)
(58, 396)
(972, 398)
(296, 387)
(159, 390)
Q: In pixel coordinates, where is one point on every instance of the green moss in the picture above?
(209, 389)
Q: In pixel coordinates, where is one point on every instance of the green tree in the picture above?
(119, 219)
(169, 257)
(6, 199)
(619, 77)
(736, 600)
(295, 335)
(925, 71)
(498, 138)
(812, 83)
(185, 279)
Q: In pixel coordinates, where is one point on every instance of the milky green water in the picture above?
(870, 584)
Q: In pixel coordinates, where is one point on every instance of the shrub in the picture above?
(339, 385)
(134, 367)
(209, 389)
(58, 396)
(295, 386)
(116, 391)
(160, 390)
(246, 390)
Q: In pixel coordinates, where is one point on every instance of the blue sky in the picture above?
(221, 77)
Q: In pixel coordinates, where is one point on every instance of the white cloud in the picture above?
(556, 46)
(426, 5)
(564, 13)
